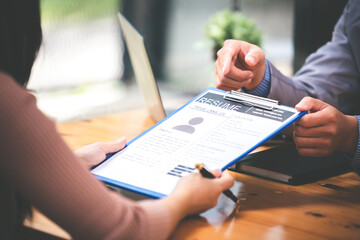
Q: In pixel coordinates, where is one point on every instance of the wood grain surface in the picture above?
(328, 209)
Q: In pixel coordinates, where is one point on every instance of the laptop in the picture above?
(142, 69)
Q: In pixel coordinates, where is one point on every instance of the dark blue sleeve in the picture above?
(264, 87)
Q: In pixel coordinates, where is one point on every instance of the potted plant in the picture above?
(228, 24)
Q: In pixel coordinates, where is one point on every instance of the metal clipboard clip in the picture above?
(254, 101)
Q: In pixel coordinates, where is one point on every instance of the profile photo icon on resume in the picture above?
(188, 128)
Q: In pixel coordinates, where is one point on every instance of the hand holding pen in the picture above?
(205, 173)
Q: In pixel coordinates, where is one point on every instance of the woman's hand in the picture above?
(95, 153)
(324, 130)
(194, 194)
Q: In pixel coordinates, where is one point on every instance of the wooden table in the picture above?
(329, 209)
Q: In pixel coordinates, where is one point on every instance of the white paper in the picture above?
(208, 130)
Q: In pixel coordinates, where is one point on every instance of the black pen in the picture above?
(205, 173)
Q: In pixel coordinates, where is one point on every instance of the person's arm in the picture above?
(331, 74)
(356, 156)
(38, 164)
(325, 130)
(182, 201)
(263, 88)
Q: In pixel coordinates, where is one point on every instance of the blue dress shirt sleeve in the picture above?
(264, 87)
(356, 157)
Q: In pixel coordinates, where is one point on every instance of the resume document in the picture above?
(209, 130)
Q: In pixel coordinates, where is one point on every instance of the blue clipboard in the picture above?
(233, 101)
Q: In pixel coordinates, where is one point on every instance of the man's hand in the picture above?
(239, 64)
(324, 130)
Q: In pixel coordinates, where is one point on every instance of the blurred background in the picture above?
(83, 69)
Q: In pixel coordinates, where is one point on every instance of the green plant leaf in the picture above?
(227, 24)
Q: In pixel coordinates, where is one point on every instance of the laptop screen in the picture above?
(142, 69)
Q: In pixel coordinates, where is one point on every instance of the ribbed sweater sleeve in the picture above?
(39, 165)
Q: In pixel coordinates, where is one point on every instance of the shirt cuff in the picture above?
(264, 87)
(355, 159)
(357, 153)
